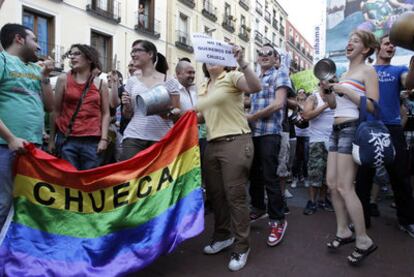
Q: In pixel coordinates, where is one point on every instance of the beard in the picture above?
(29, 55)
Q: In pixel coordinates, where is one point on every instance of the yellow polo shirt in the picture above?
(222, 107)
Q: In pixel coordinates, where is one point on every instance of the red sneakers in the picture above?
(277, 231)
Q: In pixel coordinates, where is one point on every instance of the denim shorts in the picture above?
(341, 140)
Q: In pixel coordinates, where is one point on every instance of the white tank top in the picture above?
(344, 106)
(321, 126)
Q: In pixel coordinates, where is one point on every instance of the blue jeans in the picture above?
(80, 151)
(6, 182)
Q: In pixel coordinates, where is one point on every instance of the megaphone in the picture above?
(402, 31)
(325, 70)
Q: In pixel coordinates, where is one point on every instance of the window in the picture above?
(274, 38)
(183, 23)
(43, 27)
(227, 9)
(103, 43)
(243, 21)
(227, 40)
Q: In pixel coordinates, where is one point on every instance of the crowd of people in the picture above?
(257, 132)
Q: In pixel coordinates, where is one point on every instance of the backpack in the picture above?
(372, 145)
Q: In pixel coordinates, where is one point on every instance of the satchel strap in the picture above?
(72, 119)
(363, 113)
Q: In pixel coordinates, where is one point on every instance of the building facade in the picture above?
(298, 48)
(269, 24)
(108, 25)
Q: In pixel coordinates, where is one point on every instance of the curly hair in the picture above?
(90, 54)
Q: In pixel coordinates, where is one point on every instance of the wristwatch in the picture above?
(46, 81)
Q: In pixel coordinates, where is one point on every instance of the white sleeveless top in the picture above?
(344, 106)
(321, 126)
(144, 127)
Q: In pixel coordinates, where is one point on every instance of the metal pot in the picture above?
(402, 31)
(154, 101)
(325, 70)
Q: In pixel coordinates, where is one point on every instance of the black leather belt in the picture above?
(227, 138)
(343, 125)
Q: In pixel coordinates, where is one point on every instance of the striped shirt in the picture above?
(271, 80)
(344, 106)
(143, 127)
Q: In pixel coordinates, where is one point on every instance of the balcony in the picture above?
(282, 30)
(258, 38)
(268, 17)
(275, 24)
(244, 4)
(267, 41)
(209, 11)
(297, 45)
(259, 8)
(188, 3)
(147, 25)
(244, 33)
(183, 42)
(228, 23)
(106, 9)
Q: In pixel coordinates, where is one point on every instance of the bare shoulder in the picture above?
(62, 77)
(369, 69)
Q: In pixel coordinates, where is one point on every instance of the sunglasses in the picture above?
(267, 53)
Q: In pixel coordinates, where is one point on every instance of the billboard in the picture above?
(377, 16)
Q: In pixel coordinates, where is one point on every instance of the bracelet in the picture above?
(244, 67)
(105, 139)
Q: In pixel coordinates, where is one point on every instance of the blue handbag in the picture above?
(372, 144)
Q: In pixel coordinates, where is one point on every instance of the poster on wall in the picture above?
(377, 16)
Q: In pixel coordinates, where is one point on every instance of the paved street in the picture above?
(302, 253)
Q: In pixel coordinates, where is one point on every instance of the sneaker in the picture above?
(277, 231)
(217, 246)
(325, 205)
(310, 208)
(408, 229)
(238, 260)
(288, 194)
(286, 210)
(256, 215)
(294, 183)
(373, 210)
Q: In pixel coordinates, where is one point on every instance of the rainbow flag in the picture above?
(107, 221)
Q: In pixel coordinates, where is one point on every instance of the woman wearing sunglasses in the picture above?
(359, 80)
(81, 110)
(228, 155)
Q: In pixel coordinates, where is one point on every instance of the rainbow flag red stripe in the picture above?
(107, 221)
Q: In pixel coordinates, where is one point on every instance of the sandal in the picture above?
(359, 254)
(338, 241)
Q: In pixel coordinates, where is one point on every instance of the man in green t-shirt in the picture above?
(25, 93)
